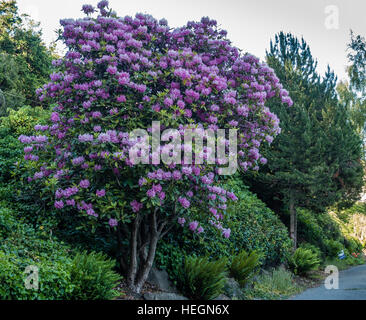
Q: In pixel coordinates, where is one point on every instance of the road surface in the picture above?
(352, 286)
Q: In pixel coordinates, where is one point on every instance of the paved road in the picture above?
(352, 286)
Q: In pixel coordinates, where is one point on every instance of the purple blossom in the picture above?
(59, 204)
(100, 193)
(85, 184)
(184, 202)
(193, 225)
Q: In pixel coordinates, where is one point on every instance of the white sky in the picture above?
(250, 23)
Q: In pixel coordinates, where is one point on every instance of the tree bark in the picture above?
(293, 221)
(131, 277)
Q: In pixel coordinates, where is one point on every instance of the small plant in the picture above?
(277, 284)
(201, 278)
(303, 260)
(93, 277)
(333, 247)
(244, 266)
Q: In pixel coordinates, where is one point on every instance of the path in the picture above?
(352, 286)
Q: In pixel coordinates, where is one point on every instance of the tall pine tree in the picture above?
(314, 162)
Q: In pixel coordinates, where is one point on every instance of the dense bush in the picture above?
(119, 75)
(201, 278)
(253, 227)
(93, 277)
(333, 247)
(243, 266)
(60, 275)
(277, 284)
(303, 260)
(316, 228)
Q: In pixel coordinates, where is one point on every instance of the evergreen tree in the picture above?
(353, 94)
(314, 162)
(21, 45)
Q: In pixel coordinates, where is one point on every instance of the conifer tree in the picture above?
(314, 162)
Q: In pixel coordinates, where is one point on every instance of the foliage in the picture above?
(22, 121)
(253, 227)
(315, 161)
(60, 275)
(313, 249)
(201, 278)
(243, 266)
(93, 277)
(277, 284)
(25, 61)
(303, 260)
(120, 74)
(333, 247)
(317, 228)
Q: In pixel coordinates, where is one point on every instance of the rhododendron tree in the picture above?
(120, 74)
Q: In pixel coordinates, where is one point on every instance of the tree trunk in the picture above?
(293, 221)
(131, 277)
(146, 267)
(145, 232)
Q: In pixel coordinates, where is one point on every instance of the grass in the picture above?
(345, 263)
(276, 285)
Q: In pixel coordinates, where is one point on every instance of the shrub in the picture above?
(201, 278)
(60, 275)
(253, 226)
(22, 121)
(184, 78)
(333, 247)
(93, 277)
(353, 245)
(316, 228)
(278, 284)
(244, 266)
(313, 248)
(303, 261)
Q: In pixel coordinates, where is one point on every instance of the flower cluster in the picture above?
(119, 74)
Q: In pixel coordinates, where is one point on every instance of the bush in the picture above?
(253, 226)
(60, 275)
(303, 261)
(333, 247)
(22, 121)
(313, 248)
(353, 245)
(54, 278)
(244, 266)
(278, 284)
(201, 278)
(93, 277)
(316, 228)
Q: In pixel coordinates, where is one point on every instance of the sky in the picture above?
(324, 24)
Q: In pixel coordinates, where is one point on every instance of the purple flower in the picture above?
(78, 161)
(55, 117)
(100, 193)
(86, 138)
(84, 184)
(226, 233)
(151, 193)
(193, 225)
(181, 221)
(113, 222)
(200, 230)
(87, 8)
(59, 204)
(184, 202)
(136, 206)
